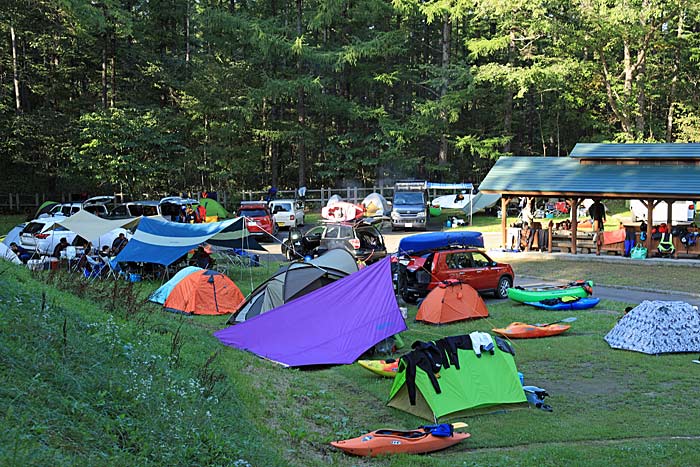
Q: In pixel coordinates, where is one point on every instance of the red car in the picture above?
(471, 266)
(258, 220)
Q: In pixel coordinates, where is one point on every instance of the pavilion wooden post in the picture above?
(574, 224)
(549, 236)
(650, 223)
(669, 213)
(504, 221)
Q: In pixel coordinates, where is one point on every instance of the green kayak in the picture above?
(536, 294)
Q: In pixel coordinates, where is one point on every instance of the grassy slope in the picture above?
(610, 407)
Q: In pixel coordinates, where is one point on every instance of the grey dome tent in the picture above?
(656, 327)
(295, 280)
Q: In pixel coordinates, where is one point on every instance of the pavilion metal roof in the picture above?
(565, 176)
(643, 151)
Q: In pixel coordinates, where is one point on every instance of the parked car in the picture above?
(135, 209)
(38, 235)
(363, 241)
(299, 244)
(34, 238)
(682, 212)
(65, 209)
(417, 275)
(287, 212)
(99, 205)
(258, 220)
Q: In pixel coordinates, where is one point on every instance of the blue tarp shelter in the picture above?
(162, 242)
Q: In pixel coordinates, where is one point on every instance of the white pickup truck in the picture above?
(682, 212)
(287, 212)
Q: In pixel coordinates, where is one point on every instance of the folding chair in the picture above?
(115, 270)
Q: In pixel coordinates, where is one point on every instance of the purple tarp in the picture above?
(329, 326)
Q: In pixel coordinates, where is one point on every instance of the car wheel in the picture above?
(408, 298)
(504, 283)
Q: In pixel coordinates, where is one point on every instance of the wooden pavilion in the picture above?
(651, 173)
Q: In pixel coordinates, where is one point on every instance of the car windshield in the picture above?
(253, 212)
(408, 198)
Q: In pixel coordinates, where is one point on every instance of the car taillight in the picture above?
(691, 207)
(291, 218)
(355, 243)
(41, 236)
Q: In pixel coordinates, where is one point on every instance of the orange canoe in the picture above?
(381, 367)
(382, 442)
(529, 331)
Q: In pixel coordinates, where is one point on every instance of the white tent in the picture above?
(380, 204)
(8, 255)
(93, 228)
(655, 327)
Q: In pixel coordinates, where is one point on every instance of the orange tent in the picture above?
(204, 292)
(451, 301)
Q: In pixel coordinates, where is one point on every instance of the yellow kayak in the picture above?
(384, 368)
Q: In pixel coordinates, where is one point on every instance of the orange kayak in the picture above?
(529, 331)
(381, 367)
(381, 442)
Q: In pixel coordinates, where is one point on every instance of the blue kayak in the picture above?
(580, 304)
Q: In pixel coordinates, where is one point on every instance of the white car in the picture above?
(287, 212)
(42, 236)
(682, 212)
(65, 210)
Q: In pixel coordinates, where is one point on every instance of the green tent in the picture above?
(481, 384)
(45, 207)
(214, 208)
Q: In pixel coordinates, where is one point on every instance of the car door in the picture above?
(312, 238)
(485, 276)
(456, 266)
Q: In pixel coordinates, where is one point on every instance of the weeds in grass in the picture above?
(208, 376)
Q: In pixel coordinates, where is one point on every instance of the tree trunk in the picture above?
(674, 80)
(446, 49)
(15, 74)
(508, 104)
(113, 71)
(104, 71)
(301, 108)
(641, 101)
(187, 35)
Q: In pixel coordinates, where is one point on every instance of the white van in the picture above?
(287, 212)
(682, 212)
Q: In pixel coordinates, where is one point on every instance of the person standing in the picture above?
(597, 213)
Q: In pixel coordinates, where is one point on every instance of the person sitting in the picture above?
(119, 243)
(104, 252)
(201, 258)
(189, 215)
(62, 245)
(23, 254)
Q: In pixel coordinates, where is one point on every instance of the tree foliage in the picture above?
(155, 95)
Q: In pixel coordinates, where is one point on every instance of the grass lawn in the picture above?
(8, 222)
(675, 277)
(96, 377)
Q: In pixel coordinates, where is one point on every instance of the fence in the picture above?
(321, 195)
(26, 202)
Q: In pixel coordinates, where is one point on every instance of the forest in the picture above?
(159, 95)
